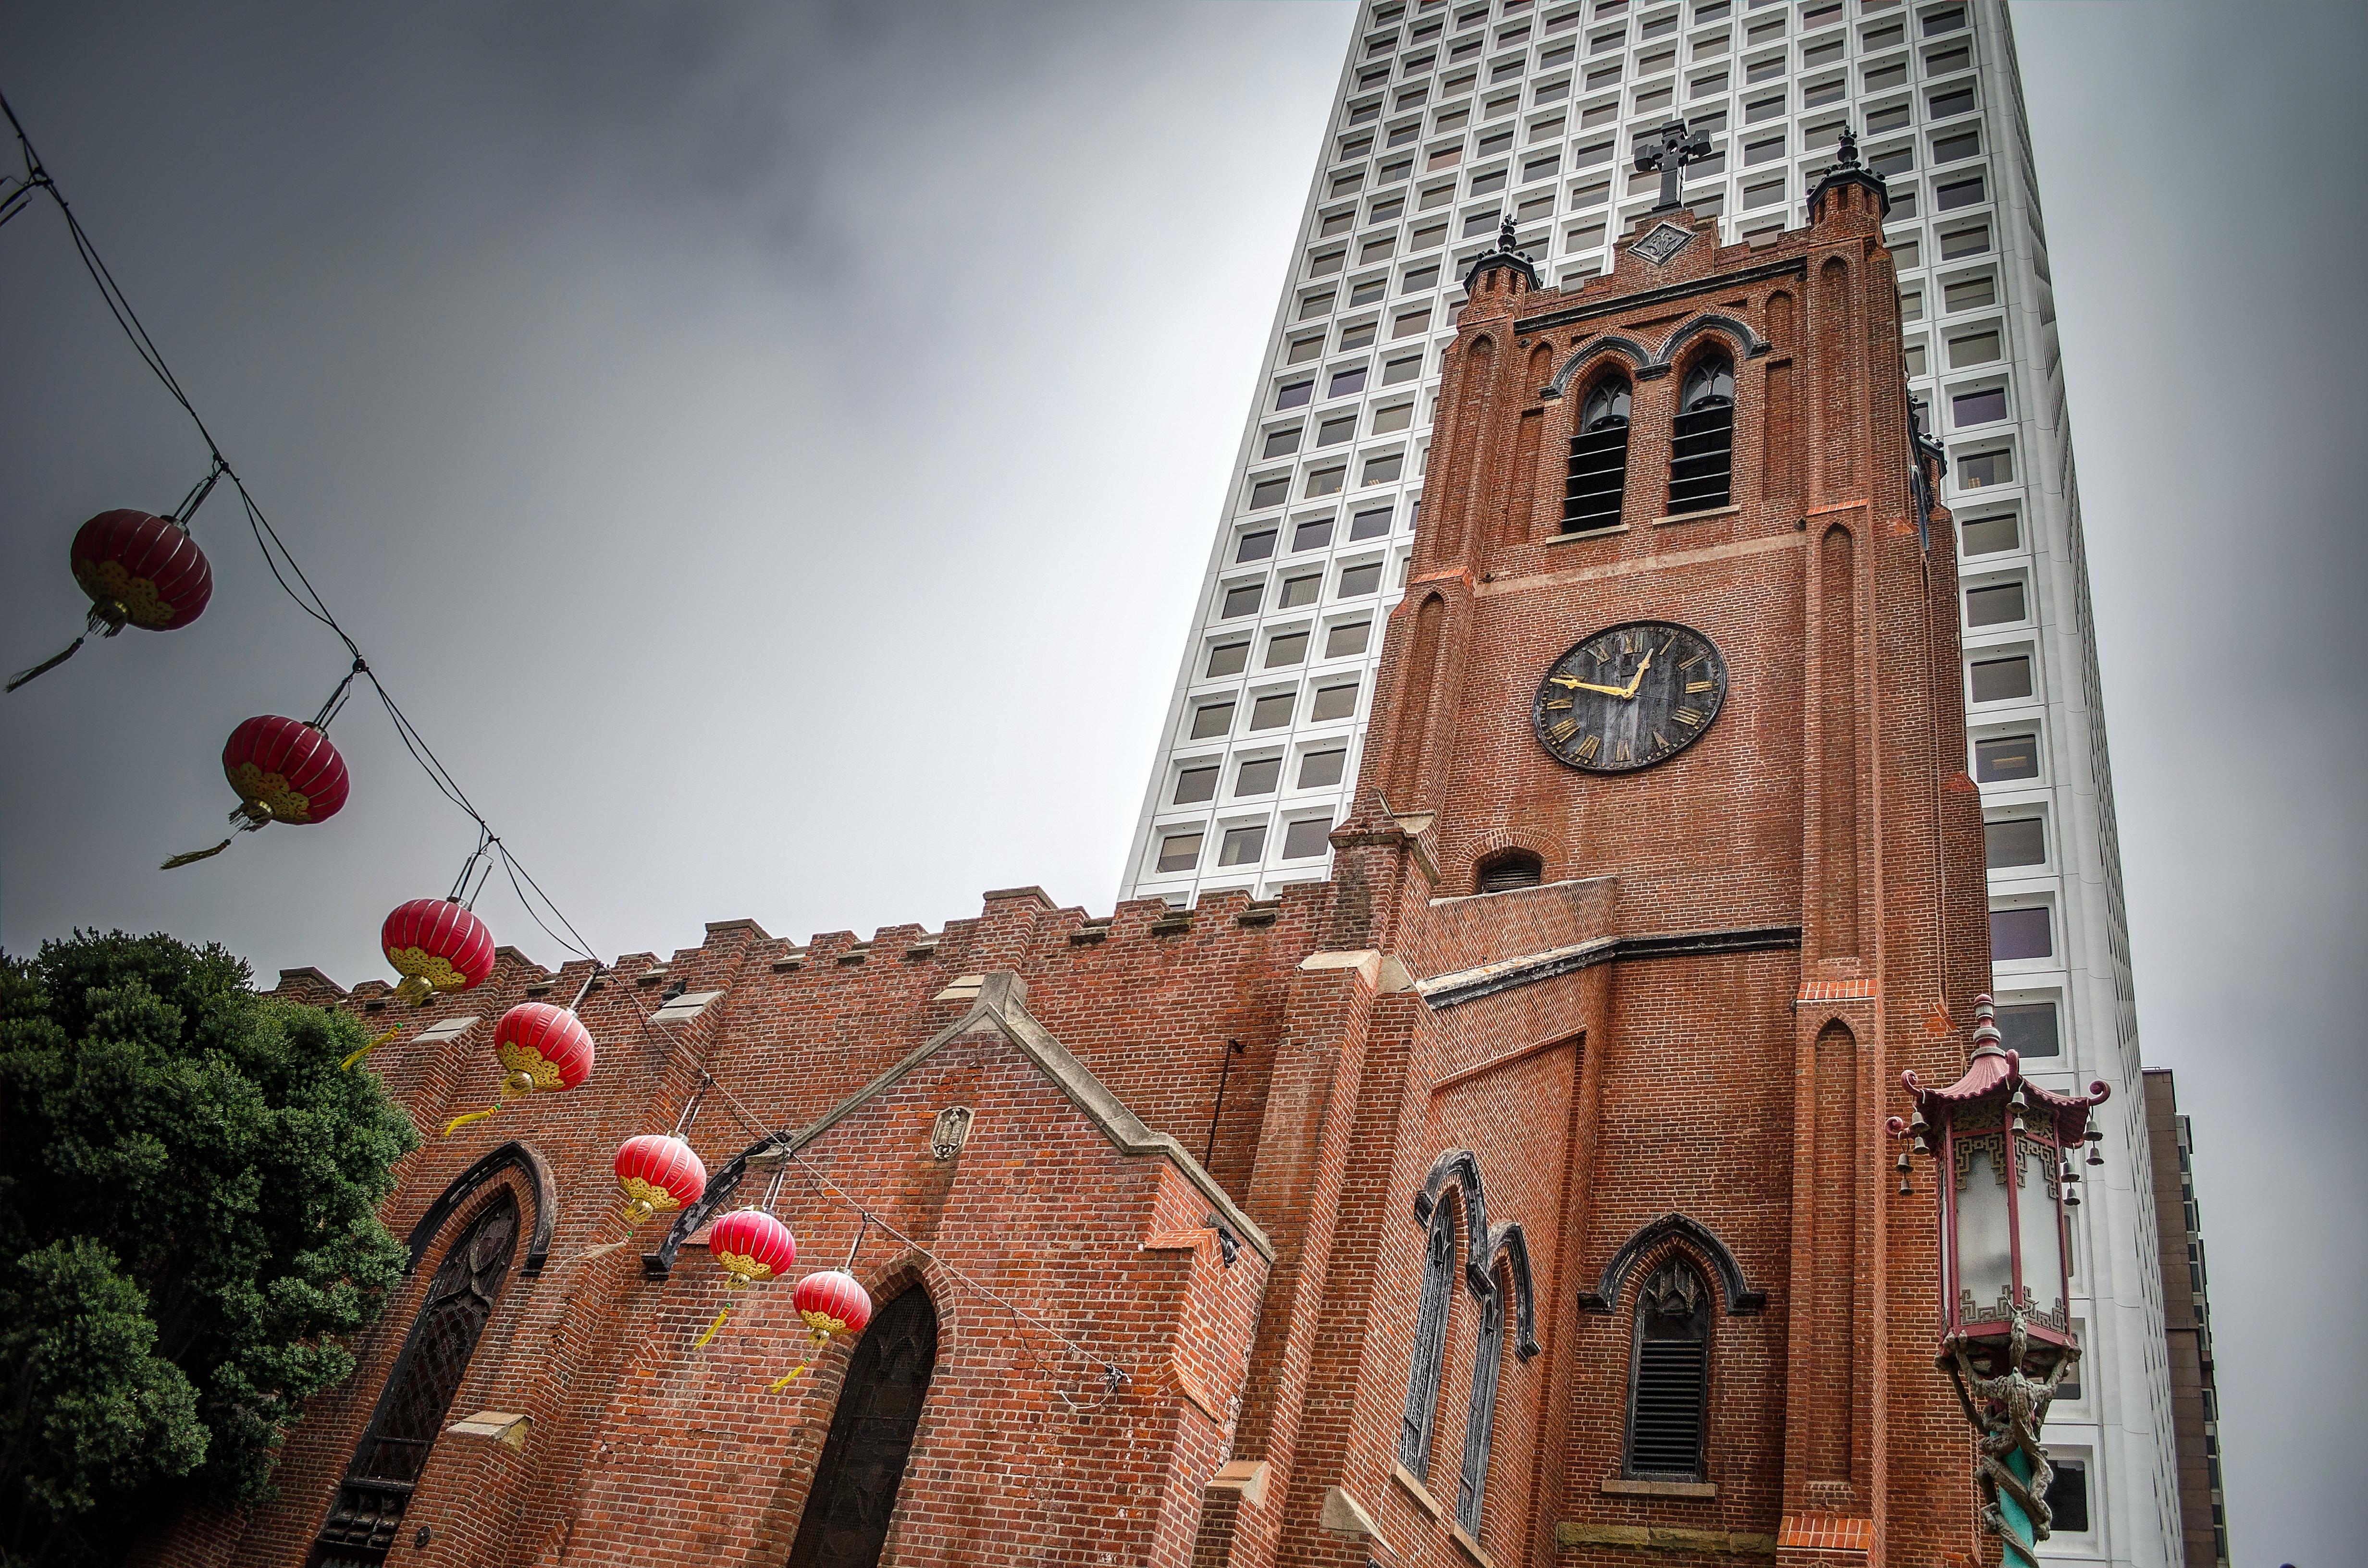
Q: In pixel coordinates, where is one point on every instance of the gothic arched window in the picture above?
(1480, 1416)
(862, 1465)
(1702, 447)
(1668, 1375)
(367, 1512)
(1429, 1344)
(1508, 869)
(1599, 459)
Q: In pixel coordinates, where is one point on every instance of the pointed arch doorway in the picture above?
(862, 1465)
(363, 1522)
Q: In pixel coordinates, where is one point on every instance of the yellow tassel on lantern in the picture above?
(778, 1384)
(193, 856)
(460, 1122)
(701, 1342)
(373, 1045)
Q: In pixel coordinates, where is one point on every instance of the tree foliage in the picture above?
(188, 1230)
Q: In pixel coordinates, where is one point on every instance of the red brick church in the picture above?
(1518, 1196)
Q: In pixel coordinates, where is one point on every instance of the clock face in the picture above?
(1629, 697)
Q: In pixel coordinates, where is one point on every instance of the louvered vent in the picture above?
(1702, 459)
(1669, 1389)
(1667, 1440)
(1599, 476)
(1517, 868)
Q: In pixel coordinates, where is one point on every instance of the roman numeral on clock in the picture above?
(1688, 716)
(1694, 685)
(1562, 731)
(1557, 703)
(1588, 748)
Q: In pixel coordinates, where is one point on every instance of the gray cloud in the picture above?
(772, 451)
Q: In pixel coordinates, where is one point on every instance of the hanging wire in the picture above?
(276, 554)
(337, 702)
(1111, 1374)
(289, 575)
(461, 882)
(198, 493)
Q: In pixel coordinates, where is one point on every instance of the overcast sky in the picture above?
(773, 454)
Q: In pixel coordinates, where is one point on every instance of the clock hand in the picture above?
(1638, 678)
(1577, 685)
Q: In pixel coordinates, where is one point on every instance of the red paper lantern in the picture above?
(140, 570)
(750, 1245)
(436, 945)
(284, 770)
(831, 1301)
(658, 1174)
(546, 1050)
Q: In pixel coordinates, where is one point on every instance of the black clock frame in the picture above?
(1664, 702)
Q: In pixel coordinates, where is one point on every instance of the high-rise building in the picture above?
(2187, 1323)
(1451, 117)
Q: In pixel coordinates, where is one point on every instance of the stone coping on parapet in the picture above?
(1049, 926)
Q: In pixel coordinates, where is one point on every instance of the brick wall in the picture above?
(1581, 1056)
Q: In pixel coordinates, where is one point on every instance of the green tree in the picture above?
(188, 1230)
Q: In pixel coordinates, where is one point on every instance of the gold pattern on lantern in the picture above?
(742, 1267)
(107, 582)
(422, 972)
(646, 1200)
(527, 1060)
(269, 794)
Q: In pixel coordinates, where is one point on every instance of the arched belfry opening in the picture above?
(846, 1520)
(368, 1513)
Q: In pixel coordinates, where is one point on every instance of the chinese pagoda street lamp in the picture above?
(2007, 1152)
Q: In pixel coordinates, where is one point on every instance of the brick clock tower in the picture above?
(1678, 652)
(1518, 1196)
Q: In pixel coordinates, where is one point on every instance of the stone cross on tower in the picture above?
(1670, 155)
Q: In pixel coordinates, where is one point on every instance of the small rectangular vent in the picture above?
(1667, 1437)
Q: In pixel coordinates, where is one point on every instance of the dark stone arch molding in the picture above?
(1639, 357)
(1649, 364)
(1749, 342)
(1485, 1245)
(546, 1204)
(1741, 1299)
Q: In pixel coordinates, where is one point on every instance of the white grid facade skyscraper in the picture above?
(1449, 115)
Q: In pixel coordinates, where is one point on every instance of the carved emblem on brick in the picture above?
(1665, 241)
(949, 1132)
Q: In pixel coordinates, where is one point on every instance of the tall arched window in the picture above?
(1429, 1344)
(1701, 448)
(368, 1513)
(1480, 1415)
(1508, 869)
(1668, 1376)
(1599, 459)
(846, 1519)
